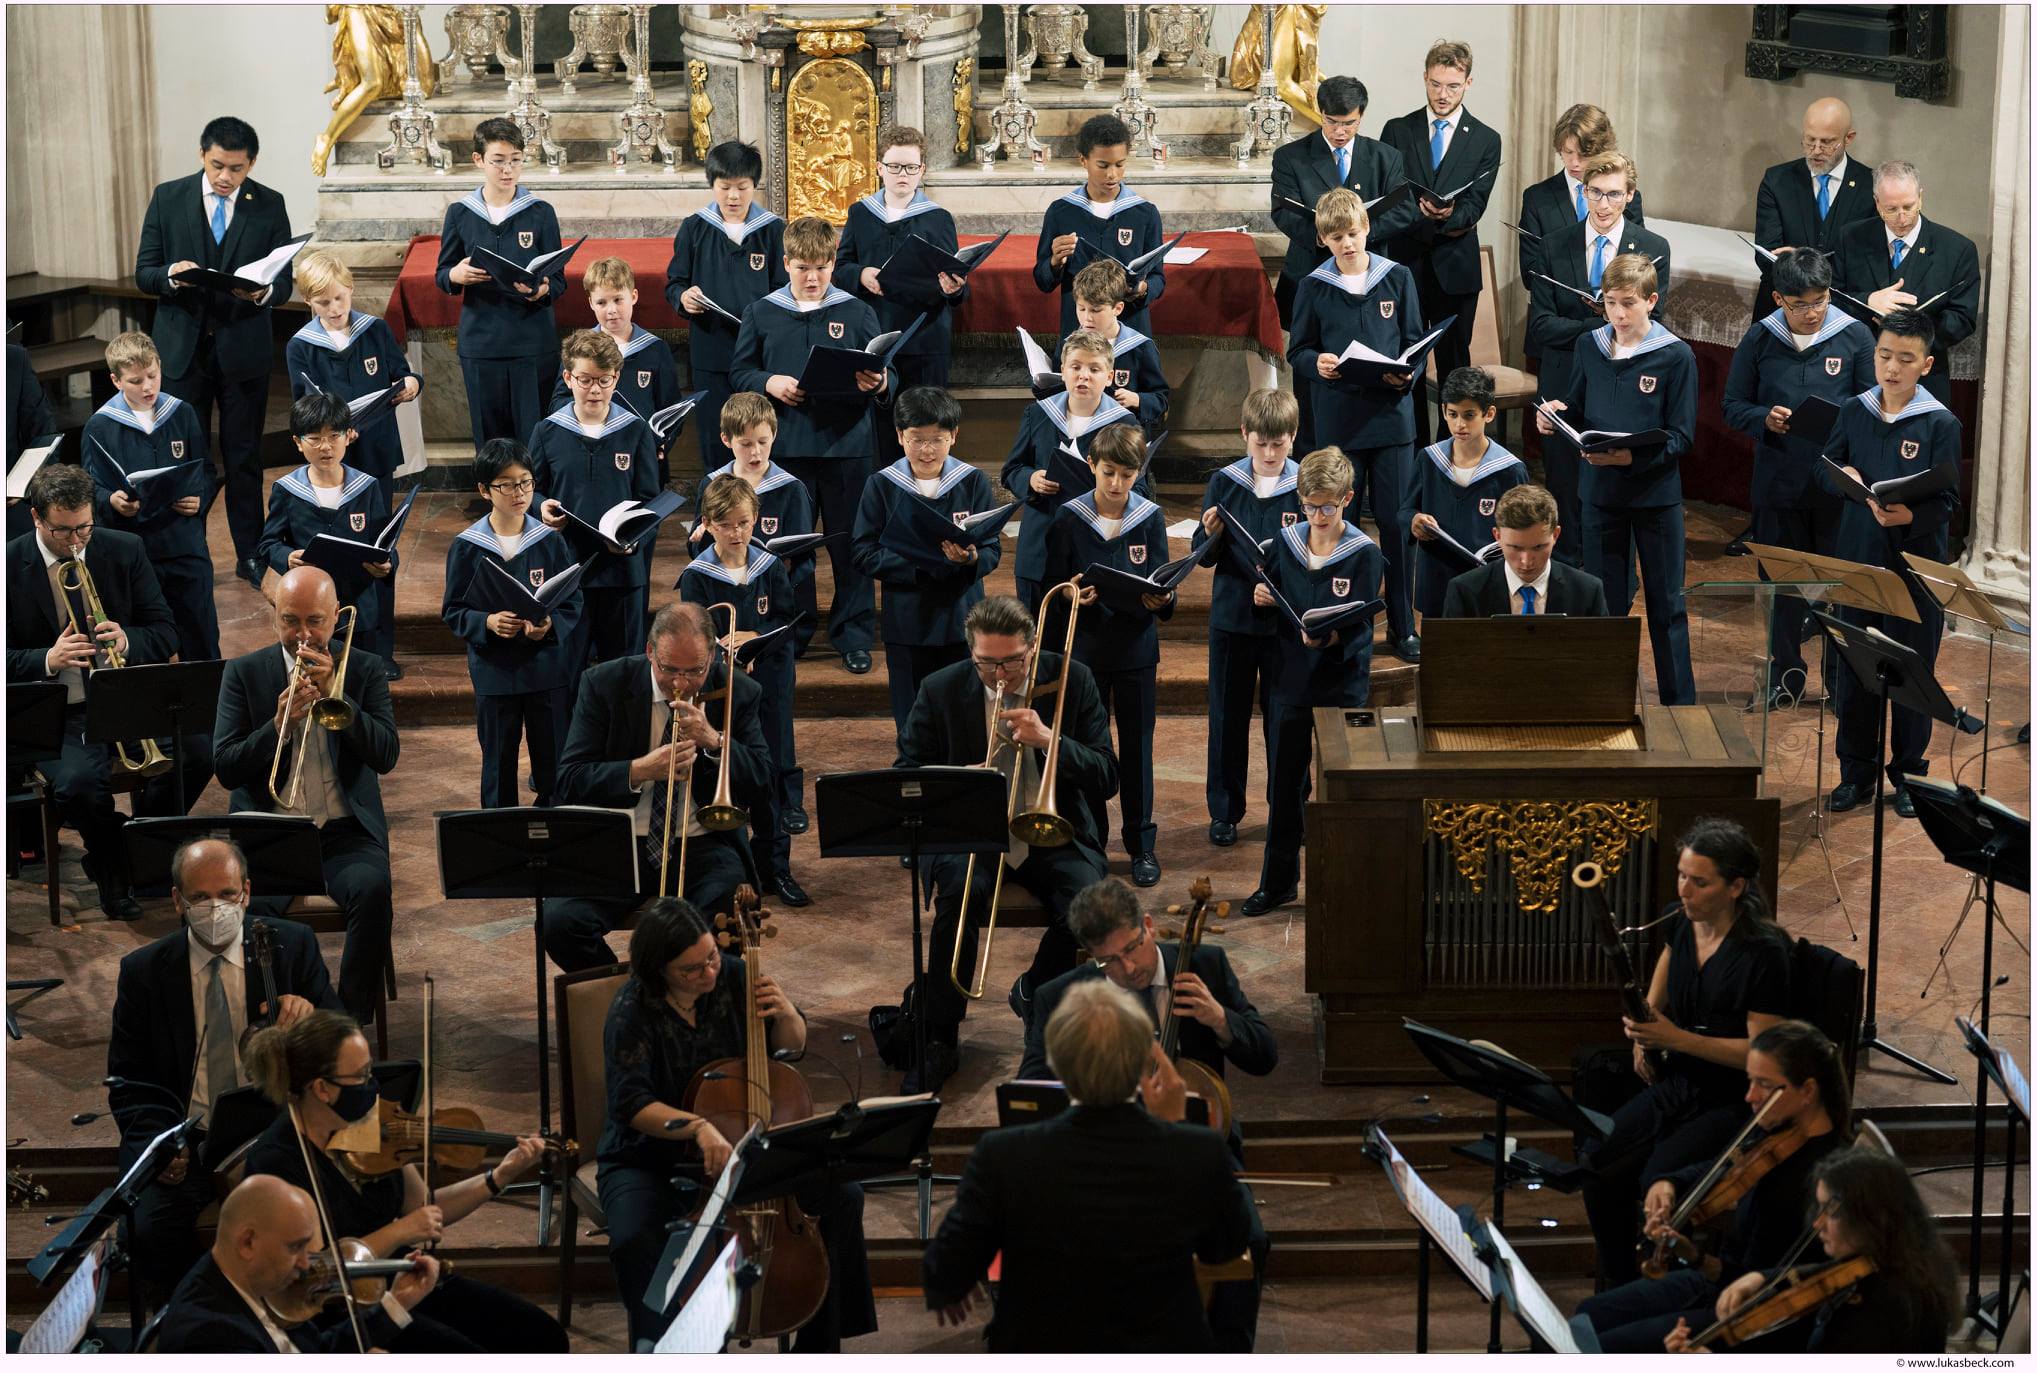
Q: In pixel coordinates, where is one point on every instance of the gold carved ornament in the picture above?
(1297, 30)
(700, 109)
(1537, 839)
(965, 104)
(367, 65)
(831, 139)
(831, 42)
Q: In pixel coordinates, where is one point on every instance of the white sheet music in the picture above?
(1531, 1303)
(702, 1325)
(63, 1322)
(2012, 1077)
(710, 1217)
(1435, 1215)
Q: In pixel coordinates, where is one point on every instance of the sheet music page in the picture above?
(1532, 1304)
(2012, 1077)
(62, 1323)
(702, 1325)
(1436, 1216)
(710, 1216)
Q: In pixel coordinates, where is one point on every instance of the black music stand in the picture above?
(282, 850)
(1895, 674)
(108, 1209)
(153, 700)
(1506, 1081)
(35, 731)
(531, 853)
(914, 813)
(2000, 1065)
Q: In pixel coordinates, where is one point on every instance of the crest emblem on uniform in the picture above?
(1386, 309)
(1124, 238)
(961, 518)
(537, 576)
(177, 449)
(1288, 517)
(836, 328)
(1832, 366)
(1137, 552)
(764, 604)
(1487, 506)
(1647, 385)
(526, 238)
(1910, 450)
(371, 365)
(756, 262)
(622, 462)
(769, 524)
(1340, 586)
(643, 381)
(1123, 375)
(358, 521)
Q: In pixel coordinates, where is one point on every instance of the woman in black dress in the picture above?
(682, 1009)
(322, 1067)
(1722, 980)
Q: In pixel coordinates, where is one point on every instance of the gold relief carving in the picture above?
(831, 42)
(700, 109)
(965, 104)
(1536, 838)
(367, 65)
(1296, 65)
(831, 139)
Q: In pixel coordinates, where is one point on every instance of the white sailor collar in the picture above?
(1656, 337)
(1136, 509)
(1377, 265)
(784, 300)
(298, 483)
(1107, 411)
(875, 203)
(1296, 538)
(315, 333)
(1496, 459)
(640, 338)
(774, 477)
(952, 471)
(1105, 209)
(478, 203)
(1836, 320)
(619, 417)
(480, 532)
(757, 218)
(1241, 472)
(1923, 403)
(708, 562)
(1128, 338)
(120, 412)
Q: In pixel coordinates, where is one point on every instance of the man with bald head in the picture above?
(1902, 261)
(1809, 201)
(268, 1231)
(340, 787)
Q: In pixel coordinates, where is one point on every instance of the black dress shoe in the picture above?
(1223, 833)
(856, 661)
(1020, 999)
(1845, 797)
(794, 820)
(941, 1062)
(250, 571)
(1409, 650)
(120, 907)
(393, 670)
(1262, 901)
(1145, 869)
(1904, 804)
(789, 891)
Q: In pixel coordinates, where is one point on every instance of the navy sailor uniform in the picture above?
(1465, 511)
(1135, 367)
(735, 271)
(509, 343)
(1043, 428)
(175, 543)
(649, 382)
(1123, 229)
(296, 517)
(783, 508)
(589, 474)
(873, 233)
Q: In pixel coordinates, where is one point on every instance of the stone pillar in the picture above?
(1998, 542)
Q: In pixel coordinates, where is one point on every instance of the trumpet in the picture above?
(720, 813)
(76, 580)
(331, 711)
(1043, 826)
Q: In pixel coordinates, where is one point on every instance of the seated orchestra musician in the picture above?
(264, 740)
(319, 1070)
(1528, 579)
(682, 1010)
(950, 725)
(1722, 980)
(637, 721)
(268, 1231)
(1796, 1081)
(180, 1009)
(1866, 1211)
(1099, 1212)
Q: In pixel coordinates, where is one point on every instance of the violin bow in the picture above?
(1784, 1273)
(1719, 1166)
(332, 1244)
(429, 1103)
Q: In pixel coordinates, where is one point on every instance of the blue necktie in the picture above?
(1436, 144)
(1343, 165)
(1895, 254)
(218, 218)
(1824, 195)
(1527, 600)
(1598, 262)
(1580, 202)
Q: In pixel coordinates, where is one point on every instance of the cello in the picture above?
(782, 1240)
(1200, 1077)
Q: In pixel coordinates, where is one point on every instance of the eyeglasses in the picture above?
(997, 664)
(691, 674)
(522, 488)
(1819, 145)
(1324, 510)
(713, 960)
(68, 531)
(499, 162)
(321, 441)
(351, 1079)
(1598, 197)
(1123, 957)
(1805, 307)
(590, 382)
(903, 168)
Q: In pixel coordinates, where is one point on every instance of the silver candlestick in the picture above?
(529, 116)
(643, 123)
(1131, 107)
(413, 130)
(1012, 123)
(1267, 116)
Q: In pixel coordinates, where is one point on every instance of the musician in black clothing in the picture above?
(1865, 1206)
(1723, 980)
(1795, 1079)
(320, 1068)
(682, 1009)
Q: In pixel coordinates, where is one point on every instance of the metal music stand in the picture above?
(35, 732)
(282, 850)
(1999, 1064)
(153, 700)
(914, 813)
(531, 853)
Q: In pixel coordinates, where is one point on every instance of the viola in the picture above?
(393, 1137)
(1792, 1294)
(1734, 1174)
(1199, 1077)
(320, 1284)
(780, 1238)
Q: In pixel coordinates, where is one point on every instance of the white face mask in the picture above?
(216, 924)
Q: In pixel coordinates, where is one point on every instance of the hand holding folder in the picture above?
(255, 276)
(917, 529)
(831, 370)
(492, 585)
(1368, 367)
(622, 527)
(364, 410)
(343, 557)
(511, 274)
(1125, 591)
(914, 271)
(1323, 620)
(1602, 440)
(1894, 491)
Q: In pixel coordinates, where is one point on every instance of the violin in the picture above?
(780, 1238)
(1791, 1294)
(1732, 1176)
(320, 1284)
(23, 1190)
(1199, 1077)
(458, 1142)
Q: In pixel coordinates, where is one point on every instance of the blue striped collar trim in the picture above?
(619, 417)
(518, 203)
(1128, 338)
(1126, 199)
(298, 483)
(953, 471)
(757, 219)
(315, 333)
(1136, 509)
(1658, 337)
(1923, 403)
(876, 205)
(1836, 320)
(782, 298)
(774, 477)
(481, 533)
(1496, 459)
(1241, 472)
(708, 561)
(1377, 265)
(640, 338)
(1107, 412)
(1296, 536)
(120, 412)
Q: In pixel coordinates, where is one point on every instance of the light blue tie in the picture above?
(218, 218)
(1343, 165)
(1436, 144)
(1580, 202)
(1895, 254)
(1527, 600)
(1598, 262)
(1824, 195)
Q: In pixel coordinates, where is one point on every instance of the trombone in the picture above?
(76, 580)
(1043, 826)
(331, 711)
(720, 813)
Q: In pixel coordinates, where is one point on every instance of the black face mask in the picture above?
(355, 1099)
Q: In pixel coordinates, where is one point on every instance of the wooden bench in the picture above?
(55, 361)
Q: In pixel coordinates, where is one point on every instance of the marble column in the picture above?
(1998, 544)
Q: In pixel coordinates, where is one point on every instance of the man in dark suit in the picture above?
(340, 784)
(1443, 146)
(1809, 201)
(217, 345)
(266, 1230)
(1338, 155)
(179, 1010)
(28, 419)
(1561, 311)
(617, 755)
(949, 726)
(1553, 204)
(1099, 1212)
(1526, 581)
(42, 647)
(1905, 261)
